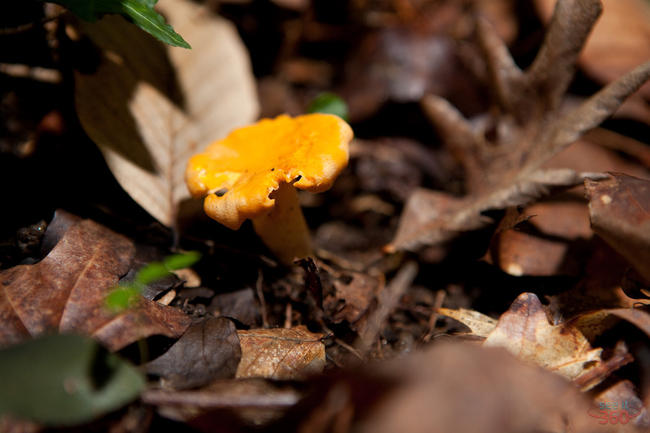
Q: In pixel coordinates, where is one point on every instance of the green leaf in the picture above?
(122, 297)
(180, 261)
(329, 103)
(152, 272)
(140, 12)
(63, 380)
(125, 295)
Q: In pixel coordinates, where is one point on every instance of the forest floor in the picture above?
(482, 264)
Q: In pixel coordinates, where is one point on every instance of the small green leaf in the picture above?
(140, 12)
(145, 17)
(329, 103)
(64, 380)
(180, 261)
(125, 295)
(122, 297)
(152, 272)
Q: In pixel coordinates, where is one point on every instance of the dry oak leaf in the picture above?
(503, 153)
(619, 209)
(66, 291)
(149, 106)
(524, 330)
(280, 353)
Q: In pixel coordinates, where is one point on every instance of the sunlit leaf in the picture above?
(140, 12)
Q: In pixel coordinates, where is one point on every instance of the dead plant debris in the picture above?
(482, 264)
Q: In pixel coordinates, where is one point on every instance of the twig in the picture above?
(387, 300)
(219, 400)
(287, 315)
(440, 298)
(260, 296)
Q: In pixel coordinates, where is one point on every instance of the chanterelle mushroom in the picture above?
(253, 171)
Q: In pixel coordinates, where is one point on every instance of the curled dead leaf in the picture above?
(619, 208)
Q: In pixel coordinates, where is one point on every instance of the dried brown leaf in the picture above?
(619, 208)
(149, 107)
(241, 305)
(524, 330)
(542, 245)
(479, 324)
(207, 351)
(66, 291)
(528, 130)
(431, 217)
(280, 353)
(594, 323)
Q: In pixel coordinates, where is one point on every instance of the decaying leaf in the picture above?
(451, 387)
(66, 291)
(240, 305)
(355, 296)
(503, 155)
(524, 330)
(167, 102)
(208, 350)
(619, 208)
(280, 353)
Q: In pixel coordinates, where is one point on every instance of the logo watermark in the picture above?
(614, 412)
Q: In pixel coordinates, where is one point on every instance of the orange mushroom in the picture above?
(253, 171)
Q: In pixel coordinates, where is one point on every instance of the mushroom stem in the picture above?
(283, 228)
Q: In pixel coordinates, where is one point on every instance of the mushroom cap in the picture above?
(238, 174)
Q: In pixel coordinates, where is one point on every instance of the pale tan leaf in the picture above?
(149, 107)
(280, 353)
(480, 324)
(524, 330)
